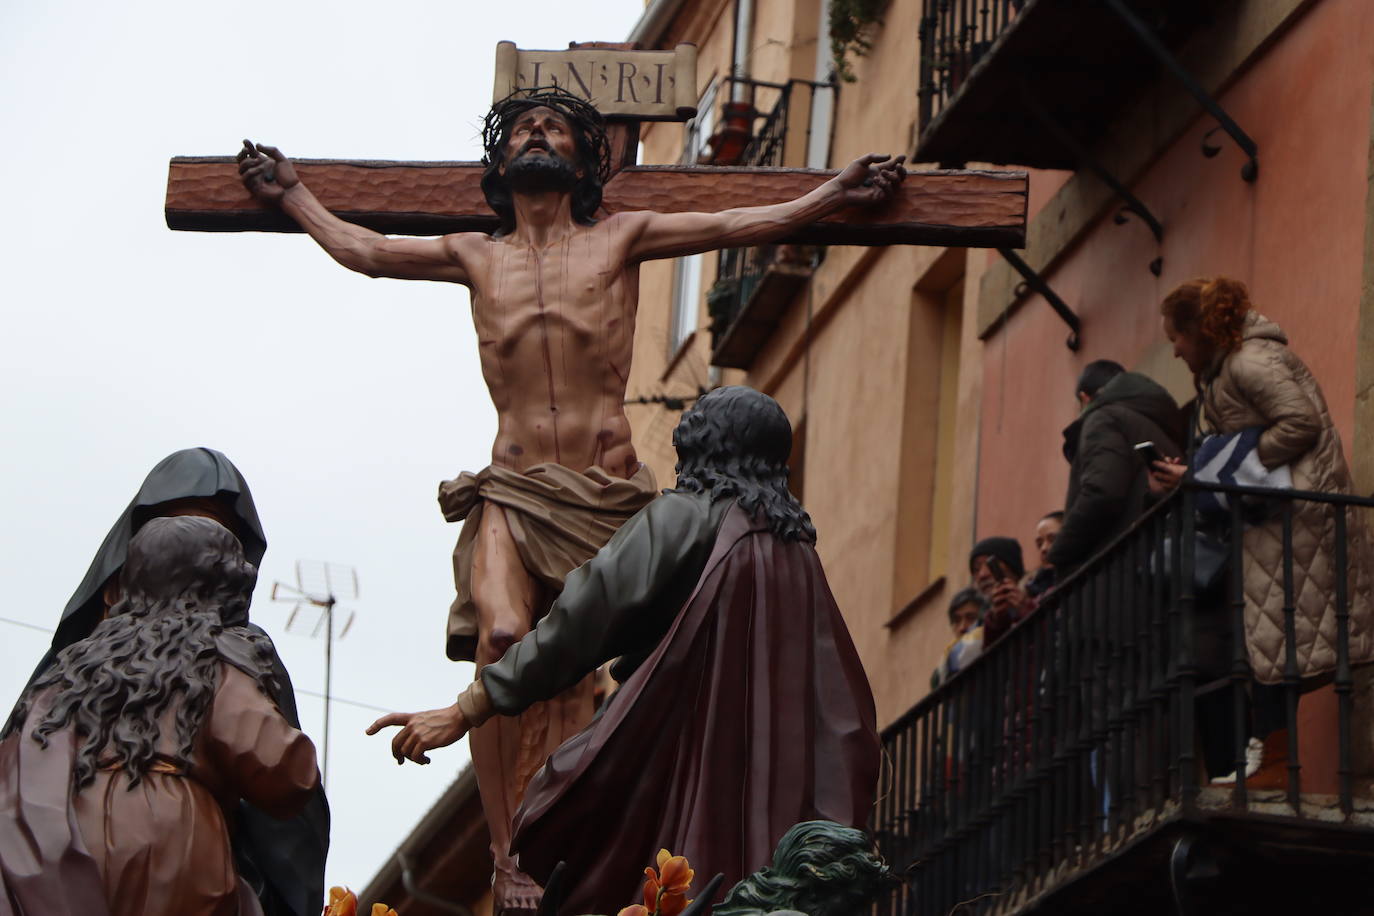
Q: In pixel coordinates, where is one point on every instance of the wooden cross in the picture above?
(985, 209)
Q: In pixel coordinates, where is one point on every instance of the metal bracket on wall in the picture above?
(1132, 204)
(1249, 171)
(1035, 282)
(420, 895)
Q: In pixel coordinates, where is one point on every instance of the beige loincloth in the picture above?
(558, 517)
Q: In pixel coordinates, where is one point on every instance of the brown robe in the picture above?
(558, 519)
(748, 711)
(158, 849)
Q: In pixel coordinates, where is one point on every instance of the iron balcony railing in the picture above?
(741, 270)
(954, 36)
(766, 147)
(1077, 732)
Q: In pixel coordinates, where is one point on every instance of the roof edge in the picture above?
(654, 22)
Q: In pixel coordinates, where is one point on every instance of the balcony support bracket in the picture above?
(1151, 42)
(1194, 873)
(1085, 160)
(1035, 282)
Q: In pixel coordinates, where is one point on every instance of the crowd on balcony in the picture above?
(1259, 419)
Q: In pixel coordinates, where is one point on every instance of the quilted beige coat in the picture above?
(1262, 383)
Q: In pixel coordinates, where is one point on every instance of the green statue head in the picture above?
(819, 869)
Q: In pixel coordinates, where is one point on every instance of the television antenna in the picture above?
(315, 597)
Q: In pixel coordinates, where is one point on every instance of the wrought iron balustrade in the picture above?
(1076, 736)
(739, 138)
(766, 148)
(757, 283)
(954, 36)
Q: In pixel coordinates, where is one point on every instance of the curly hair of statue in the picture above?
(819, 868)
(589, 132)
(735, 442)
(185, 582)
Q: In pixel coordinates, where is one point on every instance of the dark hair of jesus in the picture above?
(589, 132)
(735, 442)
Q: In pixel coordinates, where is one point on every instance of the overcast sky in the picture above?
(343, 400)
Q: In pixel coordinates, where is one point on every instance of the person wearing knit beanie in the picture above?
(997, 568)
(1008, 550)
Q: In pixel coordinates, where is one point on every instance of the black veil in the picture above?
(187, 474)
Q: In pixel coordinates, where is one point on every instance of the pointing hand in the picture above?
(422, 731)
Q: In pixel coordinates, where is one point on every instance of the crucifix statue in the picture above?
(552, 264)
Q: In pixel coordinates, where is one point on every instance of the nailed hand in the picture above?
(872, 179)
(265, 171)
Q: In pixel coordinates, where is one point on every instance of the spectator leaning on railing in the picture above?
(1042, 578)
(966, 610)
(1247, 378)
(1108, 477)
(997, 569)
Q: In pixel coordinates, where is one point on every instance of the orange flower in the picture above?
(381, 909)
(342, 902)
(675, 874)
(633, 910)
(665, 889)
(672, 905)
(650, 889)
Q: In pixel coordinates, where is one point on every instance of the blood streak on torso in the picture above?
(555, 329)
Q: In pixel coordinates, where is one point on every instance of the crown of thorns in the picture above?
(579, 112)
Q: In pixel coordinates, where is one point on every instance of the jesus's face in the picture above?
(541, 133)
(541, 152)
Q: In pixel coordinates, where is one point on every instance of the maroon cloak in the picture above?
(752, 714)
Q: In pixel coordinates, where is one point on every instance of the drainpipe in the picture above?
(739, 65)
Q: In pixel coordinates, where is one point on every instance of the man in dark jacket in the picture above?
(1108, 477)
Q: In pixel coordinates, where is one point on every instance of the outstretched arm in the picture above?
(272, 179)
(867, 181)
(621, 600)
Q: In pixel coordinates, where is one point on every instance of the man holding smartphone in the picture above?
(997, 568)
(1108, 475)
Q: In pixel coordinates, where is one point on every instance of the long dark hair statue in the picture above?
(735, 442)
(589, 132)
(185, 586)
(820, 867)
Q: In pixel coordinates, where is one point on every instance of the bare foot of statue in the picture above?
(514, 893)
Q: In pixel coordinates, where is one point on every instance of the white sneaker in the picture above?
(1254, 756)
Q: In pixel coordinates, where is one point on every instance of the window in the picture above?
(686, 301)
(822, 121)
(946, 409)
(687, 271)
(925, 490)
(699, 128)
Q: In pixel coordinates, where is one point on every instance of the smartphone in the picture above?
(999, 570)
(1148, 451)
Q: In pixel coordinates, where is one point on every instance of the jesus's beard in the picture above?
(549, 172)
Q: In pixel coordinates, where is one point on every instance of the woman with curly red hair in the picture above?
(1248, 379)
